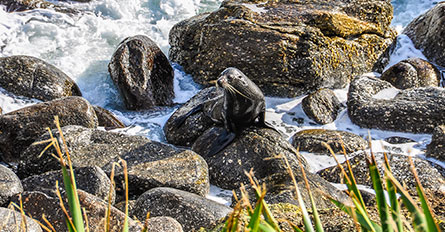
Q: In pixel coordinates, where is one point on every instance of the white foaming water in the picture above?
(81, 45)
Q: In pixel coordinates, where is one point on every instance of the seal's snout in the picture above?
(222, 81)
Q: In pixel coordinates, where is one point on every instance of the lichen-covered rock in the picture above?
(23, 5)
(286, 47)
(322, 106)
(436, 148)
(312, 141)
(150, 164)
(161, 224)
(32, 77)
(20, 128)
(10, 185)
(195, 124)
(11, 220)
(107, 119)
(412, 73)
(142, 73)
(427, 33)
(429, 176)
(374, 103)
(90, 179)
(262, 150)
(191, 210)
(38, 204)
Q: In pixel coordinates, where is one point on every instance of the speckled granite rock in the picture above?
(322, 106)
(427, 32)
(412, 73)
(415, 110)
(161, 224)
(142, 73)
(11, 219)
(90, 179)
(150, 164)
(20, 128)
(107, 119)
(436, 148)
(32, 77)
(311, 141)
(10, 185)
(23, 5)
(286, 47)
(191, 210)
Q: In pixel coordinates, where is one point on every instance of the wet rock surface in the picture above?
(415, 110)
(161, 224)
(107, 119)
(190, 210)
(90, 179)
(412, 73)
(195, 124)
(20, 128)
(427, 32)
(142, 73)
(261, 150)
(32, 77)
(322, 106)
(430, 177)
(23, 5)
(436, 148)
(13, 219)
(150, 164)
(312, 141)
(10, 185)
(300, 46)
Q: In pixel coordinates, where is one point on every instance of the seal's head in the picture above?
(235, 82)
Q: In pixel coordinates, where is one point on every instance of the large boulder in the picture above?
(412, 73)
(263, 151)
(195, 124)
(10, 185)
(322, 106)
(374, 103)
(20, 128)
(313, 141)
(32, 77)
(11, 220)
(427, 33)
(107, 119)
(142, 73)
(150, 164)
(23, 5)
(286, 47)
(190, 210)
(436, 148)
(162, 223)
(90, 179)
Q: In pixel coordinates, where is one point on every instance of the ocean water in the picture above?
(82, 45)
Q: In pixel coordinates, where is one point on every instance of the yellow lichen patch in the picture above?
(345, 26)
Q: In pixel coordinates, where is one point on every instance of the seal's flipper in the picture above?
(222, 141)
(177, 122)
(262, 122)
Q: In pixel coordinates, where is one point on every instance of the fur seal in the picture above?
(242, 104)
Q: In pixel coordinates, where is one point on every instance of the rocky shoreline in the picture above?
(288, 49)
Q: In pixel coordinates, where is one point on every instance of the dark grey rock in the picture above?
(287, 47)
(107, 119)
(262, 150)
(32, 77)
(37, 203)
(195, 124)
(427, 33)
(436, 148)
(191, 210)
(161, 224)
(429, 176)
(23, 5)
(150, 164)
(398, 140)
(20, 128)
(312, 141)
(12, 219)
(412, 73)
(142, 73)
(415, 110)
(90, 179)
(322, 106)
(10, 185)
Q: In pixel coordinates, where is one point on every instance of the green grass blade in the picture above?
(392, 193)
(255, 218)
(265, 227)
(73, 200)
(382, 206)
